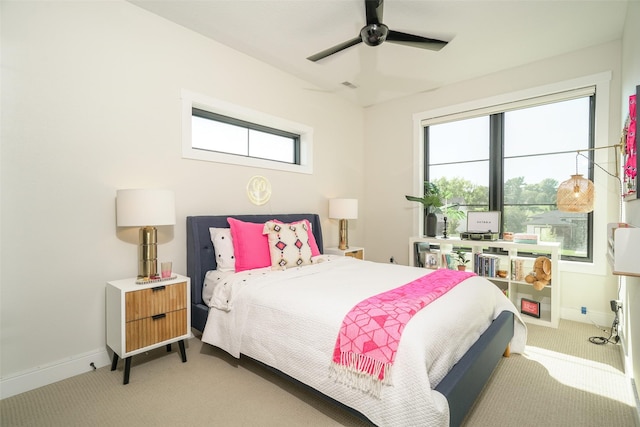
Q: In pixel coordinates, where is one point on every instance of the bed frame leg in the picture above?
(507, 351)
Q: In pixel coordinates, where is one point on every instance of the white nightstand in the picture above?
(141, 317)
(352, 251)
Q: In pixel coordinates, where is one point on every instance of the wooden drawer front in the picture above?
(355, 254)
(155, 329)
(157, 300)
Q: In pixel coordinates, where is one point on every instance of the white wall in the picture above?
(391, 170)
(91, 104)
(630, 291)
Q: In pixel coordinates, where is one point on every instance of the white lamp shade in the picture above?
(343, 208)
(145, 207)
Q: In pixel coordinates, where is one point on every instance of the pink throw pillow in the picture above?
(250, 246)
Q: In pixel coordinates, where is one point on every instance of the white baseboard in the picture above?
(53, 372)
(602, 319)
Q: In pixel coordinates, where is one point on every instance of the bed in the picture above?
(288, 320)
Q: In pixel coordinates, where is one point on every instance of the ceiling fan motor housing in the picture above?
(374, 34)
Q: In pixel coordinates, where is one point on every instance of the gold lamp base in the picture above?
(343, 235)
(148, 252)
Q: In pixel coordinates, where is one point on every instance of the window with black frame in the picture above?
(512, 160)
(215, 132)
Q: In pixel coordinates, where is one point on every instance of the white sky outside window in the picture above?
(227, 138)
(561, 126)
(549, 128)
(460, 141)
(269, 146)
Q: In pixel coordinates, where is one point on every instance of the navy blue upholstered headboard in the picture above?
(200, 256)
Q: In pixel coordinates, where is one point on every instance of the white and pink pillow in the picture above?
(312, 239)
(288, 244)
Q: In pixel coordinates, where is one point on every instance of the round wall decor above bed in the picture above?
(259, 190)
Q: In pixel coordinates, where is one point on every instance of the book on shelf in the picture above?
(517, 269)
(486, 265)
(448, 261)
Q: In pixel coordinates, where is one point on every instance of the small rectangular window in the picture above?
(215, 132)
(225, 133)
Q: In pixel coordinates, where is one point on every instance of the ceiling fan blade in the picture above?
(335, 49)
(373, 11)
(415, 41)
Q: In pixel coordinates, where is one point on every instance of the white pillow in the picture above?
(223, 247)
(217, 290)
(288, 244)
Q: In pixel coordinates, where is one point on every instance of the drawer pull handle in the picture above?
(158, 288)
(159, 316)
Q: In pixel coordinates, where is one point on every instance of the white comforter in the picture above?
(290, 320)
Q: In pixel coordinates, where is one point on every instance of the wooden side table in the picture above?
(353, 251)
(141, 317)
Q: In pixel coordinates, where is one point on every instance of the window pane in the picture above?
(466, 184)
(459, 166)
(561, 126)
(459, 141)
(531, 182)
(462, 193)
(225, 134)
(218, 136)
(273, 147)
(535, 179)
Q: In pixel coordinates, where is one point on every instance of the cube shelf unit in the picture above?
(516, 258)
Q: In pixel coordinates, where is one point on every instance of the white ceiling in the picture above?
(484, 37)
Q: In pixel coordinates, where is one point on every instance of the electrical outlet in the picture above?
(583, 310)
(616, 305)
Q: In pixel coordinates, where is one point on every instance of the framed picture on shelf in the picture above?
(530, 307)
(431, 260)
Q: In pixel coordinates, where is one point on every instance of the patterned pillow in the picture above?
(288, 244)
(315, 251)
(223, 247)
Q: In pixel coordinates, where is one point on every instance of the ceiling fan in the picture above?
(375, 32)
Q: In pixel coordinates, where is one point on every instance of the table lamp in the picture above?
(343, 209)
(146, 208)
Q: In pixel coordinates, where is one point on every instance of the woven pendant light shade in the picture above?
(575, 195)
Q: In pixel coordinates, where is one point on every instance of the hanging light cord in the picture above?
(620, 195)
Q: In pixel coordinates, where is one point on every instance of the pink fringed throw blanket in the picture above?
(370, 333)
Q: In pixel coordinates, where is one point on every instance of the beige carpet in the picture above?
(562, 380)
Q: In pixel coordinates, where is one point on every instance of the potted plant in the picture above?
(461, 259)
(431, 200)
